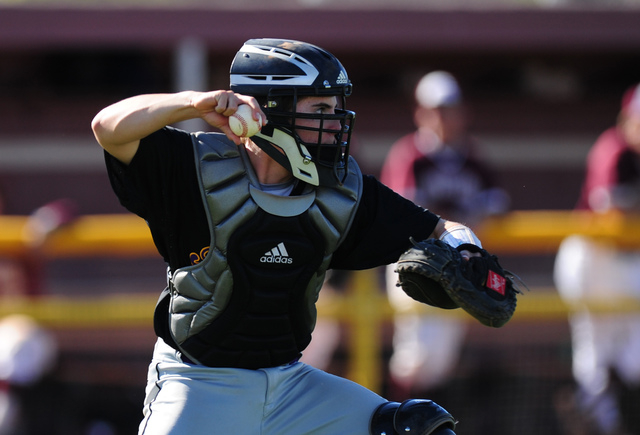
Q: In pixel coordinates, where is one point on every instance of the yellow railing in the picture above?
(517, 232)
(364, 307)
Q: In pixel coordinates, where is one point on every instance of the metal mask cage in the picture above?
(281, 114)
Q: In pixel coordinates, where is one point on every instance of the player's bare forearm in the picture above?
(119, 127)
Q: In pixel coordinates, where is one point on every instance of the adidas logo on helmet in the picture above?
(342, 79)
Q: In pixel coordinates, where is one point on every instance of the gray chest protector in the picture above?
(251, 302)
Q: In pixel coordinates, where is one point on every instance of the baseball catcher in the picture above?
(435, 272)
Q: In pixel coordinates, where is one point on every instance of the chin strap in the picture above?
(301, 168)
(272, 152)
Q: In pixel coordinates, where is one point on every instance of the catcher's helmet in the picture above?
(277, 72)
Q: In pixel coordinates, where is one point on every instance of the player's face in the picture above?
(448, 123)
(318, 105)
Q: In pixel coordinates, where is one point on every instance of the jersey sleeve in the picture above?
(140, 184)
(383, 224)
(160, 185)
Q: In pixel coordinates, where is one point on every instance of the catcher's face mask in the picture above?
(281, 74)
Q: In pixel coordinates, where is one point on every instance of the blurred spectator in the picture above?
(612, 179)
(606, 346)
(437, 167)
(22, 275)
(27, 353)
(44, 220)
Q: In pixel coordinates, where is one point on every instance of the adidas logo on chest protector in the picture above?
(277, 254)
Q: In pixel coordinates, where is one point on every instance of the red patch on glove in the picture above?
(496, 282)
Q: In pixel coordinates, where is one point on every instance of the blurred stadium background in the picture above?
(544, 78)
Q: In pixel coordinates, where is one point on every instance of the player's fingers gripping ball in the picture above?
(242, 123)
(435, 273)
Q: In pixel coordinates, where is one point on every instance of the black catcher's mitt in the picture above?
(434, 273)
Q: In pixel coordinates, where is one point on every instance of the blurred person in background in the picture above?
(437, 167)
(21, 275)
(606, 346)
(28, 352)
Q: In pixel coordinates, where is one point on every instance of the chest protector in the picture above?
(251, 302)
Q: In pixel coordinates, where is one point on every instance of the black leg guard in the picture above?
(412, 417)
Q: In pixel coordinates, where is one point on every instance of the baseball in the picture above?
(242, 122)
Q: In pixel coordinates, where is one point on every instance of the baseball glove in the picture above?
(435, 273)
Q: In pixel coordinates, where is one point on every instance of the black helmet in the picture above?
(277, 72)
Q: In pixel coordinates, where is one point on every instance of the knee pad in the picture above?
(412, 417)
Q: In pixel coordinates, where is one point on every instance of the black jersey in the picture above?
(160, 185)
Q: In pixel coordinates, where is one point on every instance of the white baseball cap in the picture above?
(438, 88)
